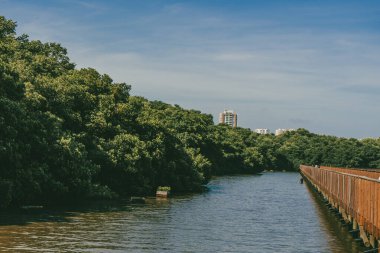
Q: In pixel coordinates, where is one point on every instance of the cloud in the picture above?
(89, 5)
(275, 65)
(300, 121)
(176, 8)
(234, 57)
(361, 89)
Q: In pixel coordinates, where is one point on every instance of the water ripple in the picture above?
(268, 213)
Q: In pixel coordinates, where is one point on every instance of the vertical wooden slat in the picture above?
(356, 191)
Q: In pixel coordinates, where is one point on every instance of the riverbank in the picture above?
(244, 213)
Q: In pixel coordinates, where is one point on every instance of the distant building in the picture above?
(262, 131)
(283, 130)
(228, 117)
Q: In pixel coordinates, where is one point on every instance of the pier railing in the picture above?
(355, 193)
(358, 172)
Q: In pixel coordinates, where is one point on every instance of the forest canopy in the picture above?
(69, 134)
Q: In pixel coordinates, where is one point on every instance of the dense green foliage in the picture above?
(68, 134)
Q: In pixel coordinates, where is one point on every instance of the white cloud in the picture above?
(234, 57)
(273, 76)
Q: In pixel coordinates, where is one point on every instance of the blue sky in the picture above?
(279, 64)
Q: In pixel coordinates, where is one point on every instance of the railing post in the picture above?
(355, 193)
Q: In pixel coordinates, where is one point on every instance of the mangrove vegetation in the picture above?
(68, 134)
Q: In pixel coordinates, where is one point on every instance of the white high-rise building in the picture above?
(283, 130)
(262, 131)
(228, 117)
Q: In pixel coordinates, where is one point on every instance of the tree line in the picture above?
(68, 134)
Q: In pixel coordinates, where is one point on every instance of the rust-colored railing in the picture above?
(359, 172)
(354, 192)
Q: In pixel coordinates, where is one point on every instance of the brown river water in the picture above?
(272, 212)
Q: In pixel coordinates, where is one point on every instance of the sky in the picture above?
(277, 63)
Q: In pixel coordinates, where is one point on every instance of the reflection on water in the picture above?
(331, 225)
(268, 213)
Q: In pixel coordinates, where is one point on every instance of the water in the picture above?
(267, 213)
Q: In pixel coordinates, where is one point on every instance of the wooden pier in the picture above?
(355, 194)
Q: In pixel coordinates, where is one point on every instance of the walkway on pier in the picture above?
(355, 193)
